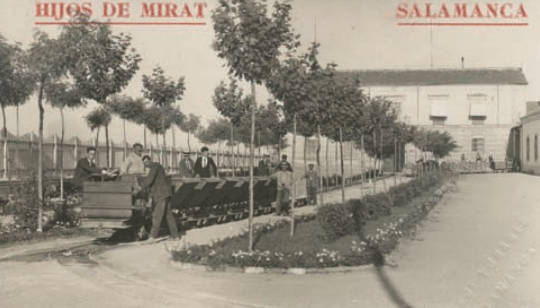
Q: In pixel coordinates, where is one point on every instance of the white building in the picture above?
(477, 106)
(530, 133)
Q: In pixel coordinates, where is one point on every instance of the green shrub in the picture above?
(336, 220)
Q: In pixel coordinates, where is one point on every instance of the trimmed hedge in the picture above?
(338, 219)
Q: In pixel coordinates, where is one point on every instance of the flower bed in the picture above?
(337, 236)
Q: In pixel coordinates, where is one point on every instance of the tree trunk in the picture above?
(293, 199)
(40, 157)
(125, 141)
(163, 131)
(217, 158)
(17, 146)
(395, 162)
(5, 145)
(375, 171)
(336, 163)
(361, 164)
(326, 162)
(97, 146)
(351, 163)
(279, 147)
(107, 145)
(319, 180)
(144, 130)
(251, 153)
(62, 155)
(381, 163)
(188, 144)
(342, 169)
(174, 159)
(259, 142)
(305, 150)
(232, 151)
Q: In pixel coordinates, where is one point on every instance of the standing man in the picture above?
(85, 167)
(205, 166)
(284, 183)
(264, 166)
(312, 179)
(133, 162)
(160, 191)
(186, 165)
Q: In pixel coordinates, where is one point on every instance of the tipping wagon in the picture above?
(195, 202)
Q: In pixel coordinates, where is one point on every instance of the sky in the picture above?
(354, 34)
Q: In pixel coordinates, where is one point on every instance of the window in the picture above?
(477, 120)
(438, 112)
(535, 147)
(528, 149)
(438, 120)
(477, 108)
(477, 144)
(438, 104)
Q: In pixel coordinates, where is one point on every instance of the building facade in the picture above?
(478, 107)
(530, 161)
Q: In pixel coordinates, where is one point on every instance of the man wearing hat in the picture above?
(312, 181)
(186, 165)
(205, 166)
(133, 162)
(264, 166)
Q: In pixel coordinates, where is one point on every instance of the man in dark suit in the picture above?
(264, 166)
(160, 191)
(85, 167)
(205, 166)
(186, 165)
(284, 161)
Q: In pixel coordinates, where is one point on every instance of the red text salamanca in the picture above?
(469, 11)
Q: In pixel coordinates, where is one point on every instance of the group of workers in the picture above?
(158, 184)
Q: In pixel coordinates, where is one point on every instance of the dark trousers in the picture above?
(311, 197)
(282, 200)
(163, 206)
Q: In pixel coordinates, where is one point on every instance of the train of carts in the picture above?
(110, 203)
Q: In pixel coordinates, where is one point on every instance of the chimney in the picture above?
(462, 62)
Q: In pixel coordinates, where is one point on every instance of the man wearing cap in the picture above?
(186, 165)
(160, 191)
(285, 180)
(205, 166)
(264, 166)
(312, 180)
(133, 162)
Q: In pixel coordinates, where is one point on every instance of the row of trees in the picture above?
(260, 47)
(87, 62)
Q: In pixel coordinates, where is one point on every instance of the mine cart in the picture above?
(195, 202)
(111, 204)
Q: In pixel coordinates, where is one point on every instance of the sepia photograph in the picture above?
(269, 153)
